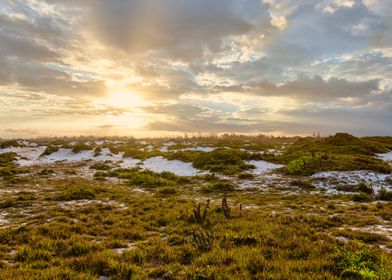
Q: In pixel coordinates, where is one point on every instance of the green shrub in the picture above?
(9, 143)
(50, 150)
(77, 193)
(306, 165)
(80, 147)
(362, 264)
(100, 166)
(164, 191)
(246, 176)
(7, 158)
(219, 187)
(385, 195)
(223, 161)
(362, 197)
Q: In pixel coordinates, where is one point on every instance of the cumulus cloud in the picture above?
(58, 57)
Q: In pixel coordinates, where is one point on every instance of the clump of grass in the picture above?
(97, 151)
(385, 195)
(362, 197)
(361, 264)
(306, 165)
(100, 166)
(7, 166)
(9, 144)
(302, 184)
(166, 191)
(147, 178)
(202, 240)
(77, 193)
(361, 187)
(219, 187)
(198, 216)
(46, 172)
(7, 158)
(223, 161)
(246, 176)
(80, 147)
(50, 150)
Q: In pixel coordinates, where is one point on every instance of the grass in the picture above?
(341, 152)
(50, 150)
(223, 161)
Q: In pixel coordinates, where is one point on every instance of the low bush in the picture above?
(50, 150)
(76, 193)
(219, 187)
(361, 264)
(100, 166)
(165, 191)
(385, 195)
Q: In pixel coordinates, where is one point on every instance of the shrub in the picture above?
(166, 191)
(385, 195)
(9, 143)
(306, 165)
(246, 176)
(80, 147)
(220, 187)
(362, 264)
(7, 158)
(202, 240)
(100, 166)
(224, 161)
(49, 150)
(302, 184)
(362, 197)
(77, 193)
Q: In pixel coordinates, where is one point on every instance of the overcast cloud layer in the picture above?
(162, 67)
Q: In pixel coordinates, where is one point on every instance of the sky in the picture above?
(149, 68)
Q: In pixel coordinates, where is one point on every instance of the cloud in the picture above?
(180, 29)
(317, 89)
(198, 64)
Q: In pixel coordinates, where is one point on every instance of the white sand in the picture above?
(333, 178)
(263, 166)
(160, 164)
(386, 156)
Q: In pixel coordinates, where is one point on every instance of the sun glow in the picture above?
(122, 99)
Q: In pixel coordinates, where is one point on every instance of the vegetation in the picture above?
(223, 161)
(57, 222)
(50, 150)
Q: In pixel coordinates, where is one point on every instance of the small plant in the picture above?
(166, 191)
(97, 151)
(362, 197)
(50, 150)
(219, 187)
(77, 193)
(246, 176)
(198, 216)
(225, 207)
(362, 264)
(80, 147)
(100, 166)
(302, 184)
(385, 195)
(46, 172)
(202, 240)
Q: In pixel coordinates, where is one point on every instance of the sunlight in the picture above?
(122, 99)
